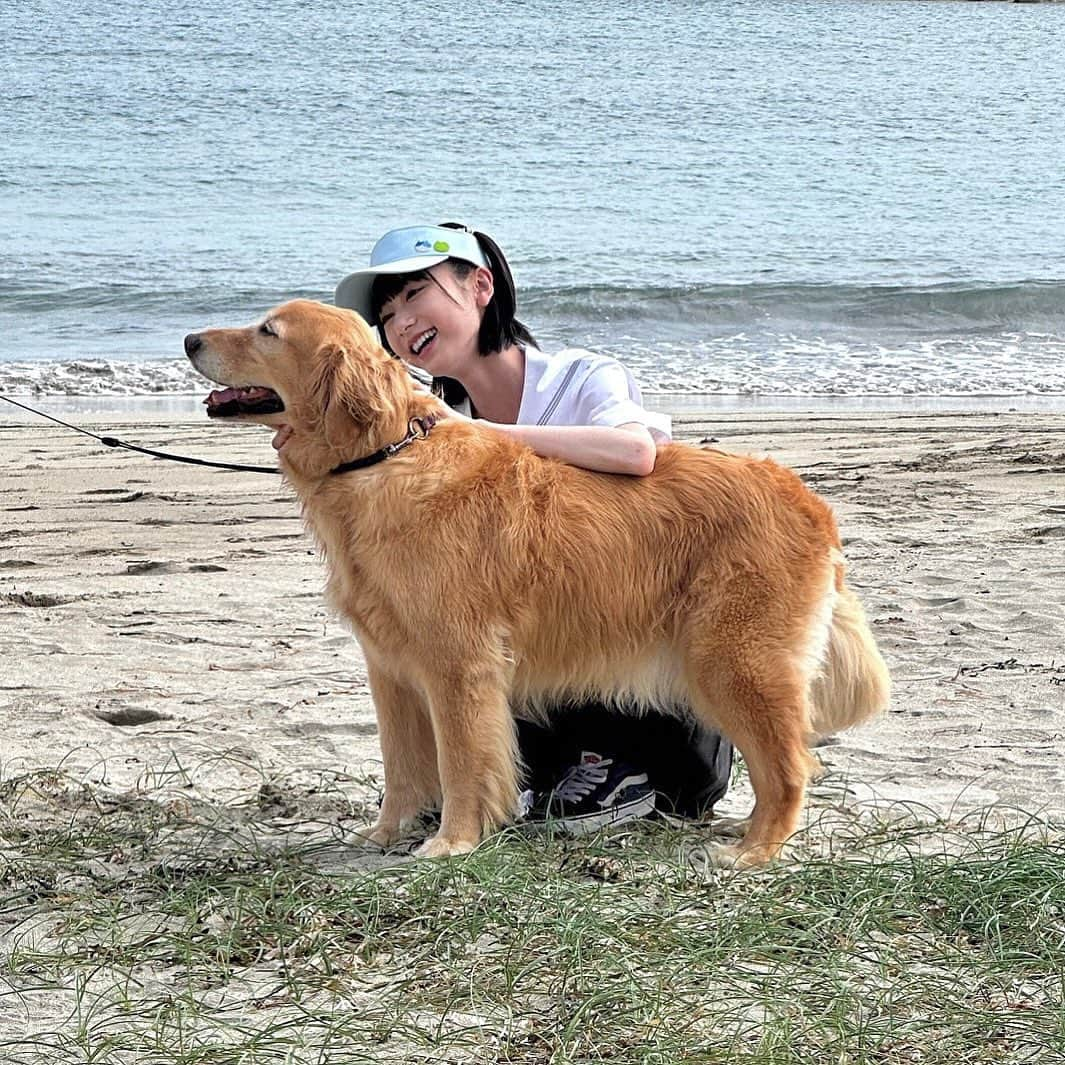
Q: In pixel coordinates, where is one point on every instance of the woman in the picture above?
(443, 300)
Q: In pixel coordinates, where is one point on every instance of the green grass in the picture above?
(147, 930)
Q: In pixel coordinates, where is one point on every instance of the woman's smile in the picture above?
(422, 341)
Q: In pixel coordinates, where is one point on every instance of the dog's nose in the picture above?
(193, 343)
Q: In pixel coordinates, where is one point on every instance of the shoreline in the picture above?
(188, 408)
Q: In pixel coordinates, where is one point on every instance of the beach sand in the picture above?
(162, 623)
(166, 661)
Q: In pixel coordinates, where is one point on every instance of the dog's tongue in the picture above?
(223, 395)
(230, 395)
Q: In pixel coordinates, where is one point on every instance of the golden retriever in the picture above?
(481, 578)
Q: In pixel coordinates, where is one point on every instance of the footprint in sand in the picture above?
(1046, 532)
(37, 599)
(130, 715)
(953, 604)
(148, 566)
(120, 495)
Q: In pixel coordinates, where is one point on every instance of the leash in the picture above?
(417, 429)
(110, 441)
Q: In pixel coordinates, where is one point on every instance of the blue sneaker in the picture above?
(594, 793)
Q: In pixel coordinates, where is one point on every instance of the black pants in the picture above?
(687, 764)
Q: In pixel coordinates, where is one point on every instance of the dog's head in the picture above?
(316, 368)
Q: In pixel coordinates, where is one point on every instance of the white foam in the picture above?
(1012, 364)
(99, 377)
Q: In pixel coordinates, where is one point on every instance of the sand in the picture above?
(164, 623)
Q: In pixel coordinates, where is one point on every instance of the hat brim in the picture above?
(353, 292)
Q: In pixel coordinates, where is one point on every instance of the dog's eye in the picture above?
(267, 330)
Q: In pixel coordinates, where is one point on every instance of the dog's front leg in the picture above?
(476, 749)
(412, 782)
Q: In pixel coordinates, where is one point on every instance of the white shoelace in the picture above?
(581, 779)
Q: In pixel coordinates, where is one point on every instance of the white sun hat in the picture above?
(406, 251)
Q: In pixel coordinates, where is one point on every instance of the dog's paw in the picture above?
(439, 847)
(380, 835)
(720, 856)
(732, 856)
(731, 827)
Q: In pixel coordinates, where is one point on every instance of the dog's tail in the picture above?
(853, 683)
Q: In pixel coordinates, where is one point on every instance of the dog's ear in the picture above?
(351, 388)
(335, 387)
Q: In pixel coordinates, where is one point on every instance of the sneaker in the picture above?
(592, 794)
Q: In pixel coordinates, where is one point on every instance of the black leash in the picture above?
(417, 429)
(110, 441)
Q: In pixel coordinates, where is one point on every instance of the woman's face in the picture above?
(433, 322)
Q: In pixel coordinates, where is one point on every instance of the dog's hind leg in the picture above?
(753, 690)
(412, 781)
(767, 723)
(475, 740)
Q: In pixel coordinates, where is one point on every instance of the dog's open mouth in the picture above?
(229, 402)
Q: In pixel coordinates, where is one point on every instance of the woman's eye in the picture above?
(267, 330)
(412, 292)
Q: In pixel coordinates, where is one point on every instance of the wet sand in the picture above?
(160, 621)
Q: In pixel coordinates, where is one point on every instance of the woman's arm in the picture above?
(627, 448)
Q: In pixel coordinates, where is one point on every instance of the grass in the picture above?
(144, 929)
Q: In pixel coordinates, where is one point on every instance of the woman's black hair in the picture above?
(499, 327)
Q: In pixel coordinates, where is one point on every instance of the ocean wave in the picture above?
(971, 307)
(961, 307)
(101, 377)
(737, 364)
(726, 339)
(130, 301)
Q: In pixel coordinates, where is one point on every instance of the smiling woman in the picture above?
(443, 300)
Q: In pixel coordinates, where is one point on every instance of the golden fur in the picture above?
(479, 577)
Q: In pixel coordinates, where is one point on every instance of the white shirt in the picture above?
(577, 387)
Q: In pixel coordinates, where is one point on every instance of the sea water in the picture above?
(745, 197)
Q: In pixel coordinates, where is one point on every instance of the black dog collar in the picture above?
(417, 429)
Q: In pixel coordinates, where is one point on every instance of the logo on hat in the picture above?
(422, 245)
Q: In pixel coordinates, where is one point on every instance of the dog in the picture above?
(481, 578)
